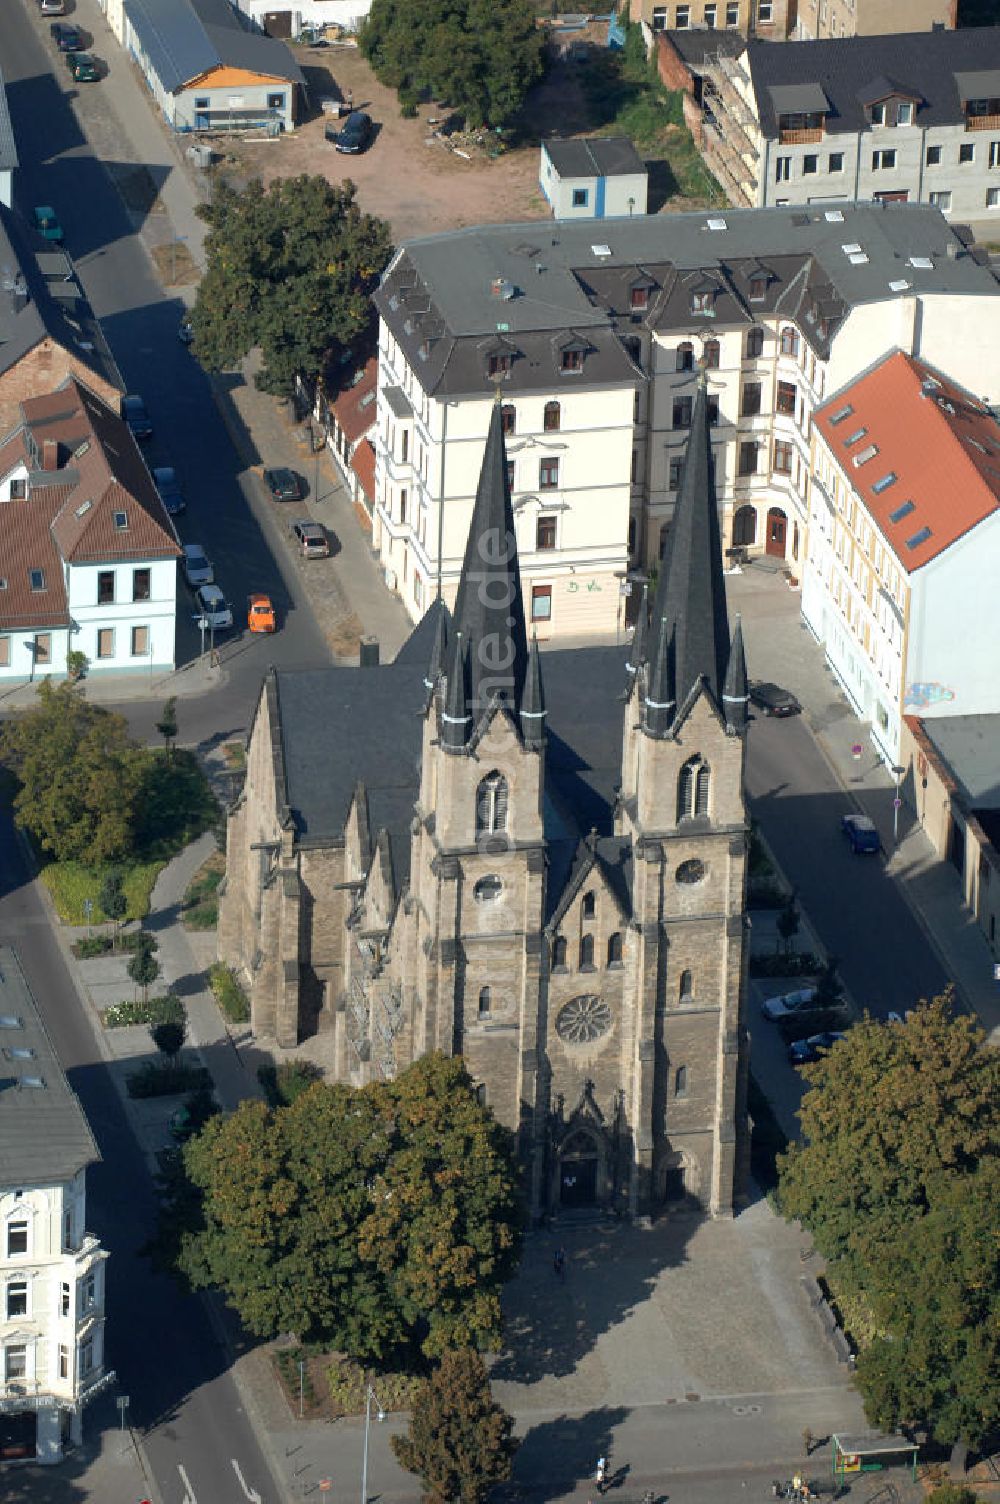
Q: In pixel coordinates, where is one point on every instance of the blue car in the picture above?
(805, 1051)
(862, 834)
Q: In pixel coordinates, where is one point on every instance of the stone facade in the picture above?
(593, 984)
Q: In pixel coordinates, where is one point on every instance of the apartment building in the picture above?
(908, 118)
(52, 1271)
(904, 535)
(594, 335)
(774, 20)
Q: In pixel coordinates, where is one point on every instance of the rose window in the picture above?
(583, 1019)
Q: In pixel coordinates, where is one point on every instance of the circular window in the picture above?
(488, 889)
(583, 1019)
(691, 871)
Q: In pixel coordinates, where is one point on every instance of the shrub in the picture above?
(204, 917)
(766, 893)
(90, 946)
(156, 1010)
(167, 1080)
(282, 1084)
(69, 883)
(168, 1037)
(228, 993)
(348, 1382)
(801, 964)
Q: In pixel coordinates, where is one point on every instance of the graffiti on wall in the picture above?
(922, 696)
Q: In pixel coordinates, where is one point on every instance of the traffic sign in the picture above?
(897, 803)
(857, 750)
(325, 1485)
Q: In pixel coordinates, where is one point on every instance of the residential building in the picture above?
(349, 421)
(774, 20)
(52, 1270)
(283, 18)
(206, 68)
(48, 332)
(88, 556)
(951, 779)
(594, 337)
(534, 861)
(8, 150)
(603, 178)
(900, 583)
(905, 118)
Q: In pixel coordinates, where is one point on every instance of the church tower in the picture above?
(682, 809)
(478, 856)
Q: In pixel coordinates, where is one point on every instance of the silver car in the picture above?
(197, 566)
(214, 607)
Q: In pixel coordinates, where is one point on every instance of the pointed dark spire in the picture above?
(660, 704)
(489, 610)
(455, 718)
(637, 652)
(691, 592)
(533, 701)
(439, 650)
(735, 696)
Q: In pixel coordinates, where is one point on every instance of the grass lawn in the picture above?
(71, 882)
(200, 907)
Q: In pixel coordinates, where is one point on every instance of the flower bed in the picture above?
(155, 1010)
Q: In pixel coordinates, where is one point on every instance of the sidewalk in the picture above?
(780, 647)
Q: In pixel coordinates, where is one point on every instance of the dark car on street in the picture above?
(773, 700)
(66, 37)
(166, 482)
(135, 415)
(83, 68)
(284, 485)
(862, 834)
(355, 133)
(804, 1051)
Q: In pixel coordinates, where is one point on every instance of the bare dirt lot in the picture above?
(407, 175)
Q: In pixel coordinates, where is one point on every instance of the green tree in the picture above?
(788, 922)
(382, 1220)
(459, 1441)
(169, 1037)
(144, 968)
(479, 56)
(290, 270)
(78, 771)
(167, 724)
(112, 898)
(893, 1109)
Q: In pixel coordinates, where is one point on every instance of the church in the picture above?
(534, 860)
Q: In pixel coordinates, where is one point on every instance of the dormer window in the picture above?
(638, 297)
(877, 113)
(498, 365)
(703, 302)
(758, 289)
(572, 360)
(36, 578)
(18, 490)
(120, 521)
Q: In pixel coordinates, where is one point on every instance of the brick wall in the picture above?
(42, 369)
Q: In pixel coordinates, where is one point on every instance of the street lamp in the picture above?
(370, 1395)
(896, 803)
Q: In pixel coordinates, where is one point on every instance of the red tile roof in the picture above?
(356, 408)
(363, 465)
(941, 445)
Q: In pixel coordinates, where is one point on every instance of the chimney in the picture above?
(953, 251)
(369, 652)
(50, 454)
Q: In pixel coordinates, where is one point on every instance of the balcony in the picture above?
(801, 136)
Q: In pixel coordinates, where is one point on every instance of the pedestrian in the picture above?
(602, 1474)
(559, 1263)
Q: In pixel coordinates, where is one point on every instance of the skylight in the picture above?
(918, 538)
(601, 250)
(852, 438)
(35, 1083)
(858, 259)
(903, 510)
(842, 412)
(37, 579)
(899, 285)
(851, 249)
(884, 482)
(10, 1021)
(120, 521)
(864, 455)
(717, 223)
(834, 216)
(83, 508)
(922, 263)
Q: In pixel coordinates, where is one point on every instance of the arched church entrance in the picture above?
(578, 1163)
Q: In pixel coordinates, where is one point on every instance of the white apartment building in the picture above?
(88, 556)
(900, 584)
(593, 336)
(52, 1270)
(905, 118)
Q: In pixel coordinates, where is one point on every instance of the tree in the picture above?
(479, 56)
(290, 269)
(144, 969)
(382, 1220)
(788, 922)
(79, 771)
(459, 1440)
(169, 1038)
(167, 724)
(112, 898)
(893, 1108)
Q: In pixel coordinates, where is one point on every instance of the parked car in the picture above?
(46, 223)
(773, 700)
(260, 613)
(312, 540)
(83, 68)
(788, 1002)
(185, 333)
(862, 834)
(803, 1051)
(169, 487)
(355, 133)
(197, 565)
(52, 7)
(214, 607)
(284, 485)
(66, 37)
(135, 415)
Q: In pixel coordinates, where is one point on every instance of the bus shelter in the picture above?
(870, 1454)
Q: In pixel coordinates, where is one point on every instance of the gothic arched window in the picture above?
(589, 905)
(559, 948)
(484, 1001)
(685, 991)
(491, 805)
(681, 1081)
(693, 788)
(702, 785)
(615, 948)
(586, 951)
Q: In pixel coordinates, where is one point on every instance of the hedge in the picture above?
(777, 964)
(89, 946)
(167, 1080)
(229, 994)
(156, 1010)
